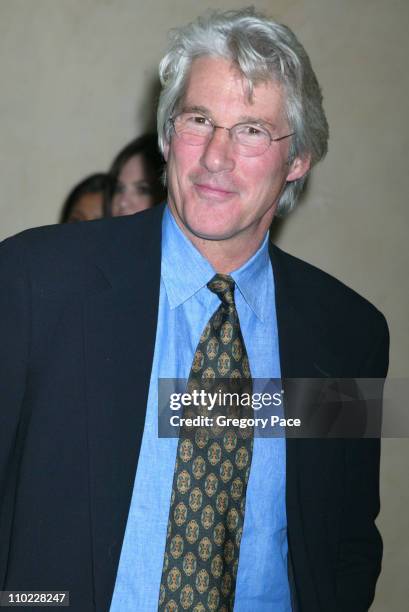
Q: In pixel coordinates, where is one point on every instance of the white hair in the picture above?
(262, 50)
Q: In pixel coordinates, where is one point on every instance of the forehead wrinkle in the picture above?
(236, 85)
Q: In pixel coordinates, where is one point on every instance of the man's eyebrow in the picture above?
(259, 120)
(242, 119)
(196, 109)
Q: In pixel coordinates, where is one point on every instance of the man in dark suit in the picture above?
(91, 317)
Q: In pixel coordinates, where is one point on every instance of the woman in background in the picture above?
(137, 178)
(85, 201)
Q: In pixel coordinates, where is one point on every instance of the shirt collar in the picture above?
(252, 280)
(183, 281)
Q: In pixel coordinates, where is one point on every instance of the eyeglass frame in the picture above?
(222, 127)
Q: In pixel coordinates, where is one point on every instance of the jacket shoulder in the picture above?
(320, 285)
(339, 316)
(60, 257)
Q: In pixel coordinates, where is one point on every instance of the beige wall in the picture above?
(76, 83)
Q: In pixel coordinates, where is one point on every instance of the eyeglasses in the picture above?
(249, 139)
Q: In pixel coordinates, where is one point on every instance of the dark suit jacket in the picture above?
(78, 311)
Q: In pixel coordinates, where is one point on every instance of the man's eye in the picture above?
(251, 134)
(252, 130)
(197, 120)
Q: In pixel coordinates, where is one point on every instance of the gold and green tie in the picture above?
(211, 473)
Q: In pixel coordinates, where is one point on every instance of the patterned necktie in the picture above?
(212, 468)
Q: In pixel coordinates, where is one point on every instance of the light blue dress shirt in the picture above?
(185, 306)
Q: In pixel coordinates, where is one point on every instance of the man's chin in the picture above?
(193, 228)
(214, 234)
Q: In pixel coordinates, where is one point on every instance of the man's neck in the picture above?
(224, 256)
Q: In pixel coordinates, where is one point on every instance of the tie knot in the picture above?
(223, 286)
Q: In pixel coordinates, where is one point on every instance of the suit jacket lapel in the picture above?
(120, 329)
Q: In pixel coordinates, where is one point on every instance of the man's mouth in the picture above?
(213, 192)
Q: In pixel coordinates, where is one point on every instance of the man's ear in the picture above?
(299, 167)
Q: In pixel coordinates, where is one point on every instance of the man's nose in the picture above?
(218, 153)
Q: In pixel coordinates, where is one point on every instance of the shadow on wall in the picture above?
(277, 228)
(145, 114)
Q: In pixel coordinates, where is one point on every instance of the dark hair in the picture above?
(147, 146)
(95, 183)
